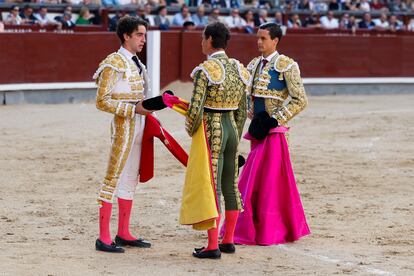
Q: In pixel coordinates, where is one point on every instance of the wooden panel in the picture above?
(191, 54)
(54, 57)
(170, 57)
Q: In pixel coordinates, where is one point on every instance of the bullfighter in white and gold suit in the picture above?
(122, 85)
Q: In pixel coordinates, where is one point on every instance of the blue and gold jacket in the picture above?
(279, 80)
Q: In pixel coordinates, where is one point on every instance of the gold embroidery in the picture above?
(127, 96)
(274, 99)
(114, 60)
(123, 126)
(214, 70)
(283, 63)
(272, 93)
(121, 146)
(195, 110)
(297, 93)
(229, 94)
(107, 99)
(214, 136)
(252, 64)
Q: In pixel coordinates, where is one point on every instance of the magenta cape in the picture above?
(273, 212)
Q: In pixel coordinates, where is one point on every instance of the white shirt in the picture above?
(365, 7)
(268, 58)
(381, 24)
(42, 20)
(215, 54)
(410, 25)
(124, 2)
(233, 22)
(329, 24)
(150, 18)
(127, 54)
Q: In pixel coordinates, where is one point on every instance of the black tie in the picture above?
(135, 59)
(264, 62)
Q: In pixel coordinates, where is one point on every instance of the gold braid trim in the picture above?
(114, 61)
(195, 110)
(120, 150)
(243, 72)
(298, 100)
(253, 64)
(213, 69)
(283, 63)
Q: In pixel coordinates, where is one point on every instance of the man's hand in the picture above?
(139, 109)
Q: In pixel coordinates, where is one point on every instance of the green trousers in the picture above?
(223, 139)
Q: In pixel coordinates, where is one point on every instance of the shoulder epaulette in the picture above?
(253, 64)
(283, 63)
(243, 72)
(115, 61)
(213, 69)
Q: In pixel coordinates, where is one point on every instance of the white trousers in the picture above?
(129, 177)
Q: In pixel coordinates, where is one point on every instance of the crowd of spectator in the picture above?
(285, 5)
(331, 14)
(27, 16)
(254, 18)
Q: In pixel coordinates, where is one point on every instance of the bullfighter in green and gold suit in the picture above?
(219, 100)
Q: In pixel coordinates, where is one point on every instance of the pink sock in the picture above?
(213, 236)
(231, 220)
(104, 222)
(124, 207)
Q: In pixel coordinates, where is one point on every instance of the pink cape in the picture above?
(273, 212)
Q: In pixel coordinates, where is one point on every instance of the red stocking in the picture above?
(213, 236)
(104, 222)
(125, 207)
(231, 220)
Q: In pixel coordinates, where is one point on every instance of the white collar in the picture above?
(272, 55)
(126, 53)
(216, 53)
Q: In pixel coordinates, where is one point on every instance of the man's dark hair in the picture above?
(27, 6)
(127, 25)
(274, 30)
(188, 23)
(160, 8)
(219, 34)
(184, 6)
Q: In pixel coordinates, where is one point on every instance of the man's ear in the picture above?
(126, 36)
(210, 41)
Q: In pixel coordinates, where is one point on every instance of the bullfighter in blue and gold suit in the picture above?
(219, 101)
(273, 210)
(275, 78)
